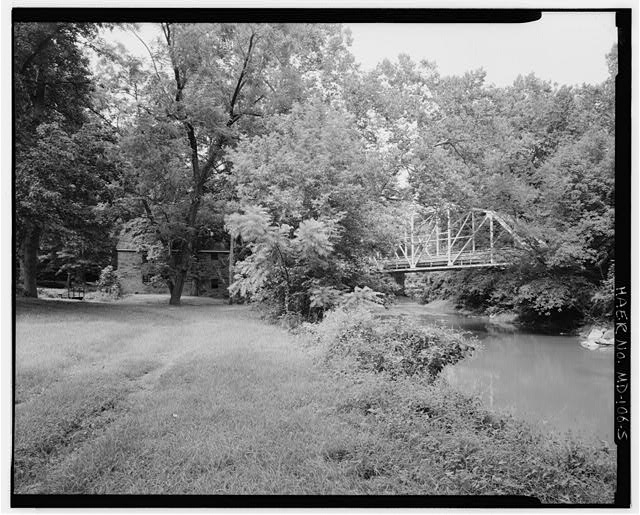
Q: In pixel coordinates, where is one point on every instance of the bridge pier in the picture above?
(398, 277)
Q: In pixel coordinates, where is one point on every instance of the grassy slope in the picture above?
(123, 398)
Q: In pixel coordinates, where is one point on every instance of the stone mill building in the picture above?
(209, 274)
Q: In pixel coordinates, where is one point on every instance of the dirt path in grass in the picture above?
(140, 397)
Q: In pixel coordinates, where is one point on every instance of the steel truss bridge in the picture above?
(452, 239)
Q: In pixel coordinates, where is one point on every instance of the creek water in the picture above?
(547, 380)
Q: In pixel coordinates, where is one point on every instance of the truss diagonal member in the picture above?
(425, 223)
(416, 259)
(428, 240)
(466, 219)
(404, 252)
(471, 237)
(506, 227)
(464, 216)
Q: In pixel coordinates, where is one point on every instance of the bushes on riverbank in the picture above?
(436, 440)
(358, 338)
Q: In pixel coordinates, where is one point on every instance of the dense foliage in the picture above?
(208, 86)
(361, 340)
(290, 271)
(321, 216)
(234, 119)
(65, 185)
(540, 153)
(109, 283)
(66, 162)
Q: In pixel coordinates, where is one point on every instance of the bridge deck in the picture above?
(441, 262)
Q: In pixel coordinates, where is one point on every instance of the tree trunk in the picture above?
(30, 246)
(231, 259)
(178, 285)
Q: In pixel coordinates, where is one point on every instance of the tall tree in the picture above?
(316, 209)
(213, 83)
(52, 80)
(62, 161)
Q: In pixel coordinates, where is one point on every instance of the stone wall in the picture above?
(211, 279)
(131, 275)
(209, 276)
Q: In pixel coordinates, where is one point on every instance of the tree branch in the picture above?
(251, 113)
(213, 157)
(453, 146)
(273, 90)
(240, 84)
(97, 113)
(193, 143)
(153, 61)
(147, 209)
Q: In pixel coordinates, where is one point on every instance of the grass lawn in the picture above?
(139, 397)
(147, 398)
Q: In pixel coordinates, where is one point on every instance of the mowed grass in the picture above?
(134, 398)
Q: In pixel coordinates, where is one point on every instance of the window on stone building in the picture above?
(146, 278)
(214, 256)
(214, 283)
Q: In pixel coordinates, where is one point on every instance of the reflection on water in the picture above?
(550, 380)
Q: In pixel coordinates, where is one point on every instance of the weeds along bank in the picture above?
(436, 440)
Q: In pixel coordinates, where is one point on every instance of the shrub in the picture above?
(296, 272)
(109, 283)
(395, 346)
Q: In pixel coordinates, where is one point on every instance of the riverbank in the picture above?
(485, 447)
(593, 335)
(139, 397)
